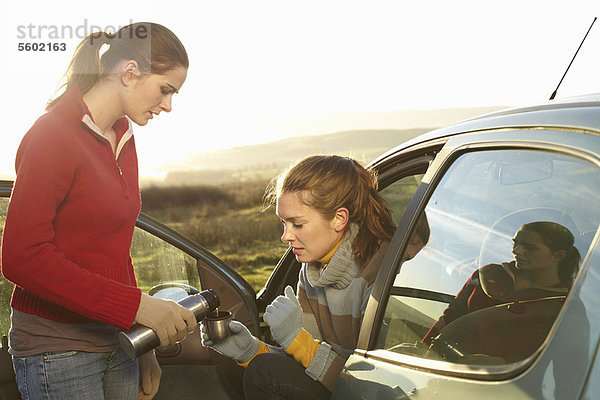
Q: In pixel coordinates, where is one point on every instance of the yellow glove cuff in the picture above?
(303, 348)
(262, 348)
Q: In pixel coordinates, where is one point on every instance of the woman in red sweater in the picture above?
(70, 223)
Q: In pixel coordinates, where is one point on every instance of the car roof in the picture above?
(581, 113)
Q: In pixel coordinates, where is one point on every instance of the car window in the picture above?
(5, 286)
(465, 298)
(399, 193)
(156, 261)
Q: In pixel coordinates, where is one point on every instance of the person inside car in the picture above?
(339, 228)
(545, 264)
(70, 221)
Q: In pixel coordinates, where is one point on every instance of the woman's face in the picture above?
(531, 254)
(310, 235)
(152, 93)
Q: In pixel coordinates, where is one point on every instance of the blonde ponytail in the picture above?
(85, 67)
(154, 47)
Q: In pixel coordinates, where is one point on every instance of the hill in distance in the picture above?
(265, 161)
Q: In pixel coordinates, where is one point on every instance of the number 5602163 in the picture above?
(44, 46)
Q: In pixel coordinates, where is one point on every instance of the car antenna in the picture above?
(553, 95)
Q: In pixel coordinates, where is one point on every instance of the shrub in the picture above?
(157, 198)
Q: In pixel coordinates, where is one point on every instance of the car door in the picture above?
(169, 265)
(479, 190)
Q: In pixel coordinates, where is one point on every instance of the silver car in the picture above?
(477, 182)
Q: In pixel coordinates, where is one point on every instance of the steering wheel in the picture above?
(172, 291)
(497, 335)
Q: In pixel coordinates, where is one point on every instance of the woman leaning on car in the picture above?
(70, 223)
(338, 227)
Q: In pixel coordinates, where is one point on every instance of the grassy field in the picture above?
(228, 219)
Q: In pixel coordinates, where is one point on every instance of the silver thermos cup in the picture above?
(140, 339)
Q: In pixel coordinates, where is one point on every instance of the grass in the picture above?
(228, 219)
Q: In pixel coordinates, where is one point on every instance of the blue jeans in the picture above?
(275, 376)
(75, 375)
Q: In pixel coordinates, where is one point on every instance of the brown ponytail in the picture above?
(335, 182)
(557, 237)
(154, 47)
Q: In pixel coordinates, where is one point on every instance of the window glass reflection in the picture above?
(507, 231)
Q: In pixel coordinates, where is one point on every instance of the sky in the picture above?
(262, 70)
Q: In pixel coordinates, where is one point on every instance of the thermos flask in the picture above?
(140, 339)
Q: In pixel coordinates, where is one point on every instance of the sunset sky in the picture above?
(262, 70)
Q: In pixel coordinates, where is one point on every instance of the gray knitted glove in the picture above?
(240, 345)
(284, 316)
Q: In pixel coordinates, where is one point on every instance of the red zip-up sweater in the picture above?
(70, 219)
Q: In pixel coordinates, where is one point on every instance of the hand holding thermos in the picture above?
(164, 322)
